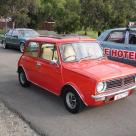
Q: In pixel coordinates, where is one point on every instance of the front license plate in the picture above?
(120, 96)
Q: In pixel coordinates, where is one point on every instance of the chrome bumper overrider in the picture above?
(99, 96)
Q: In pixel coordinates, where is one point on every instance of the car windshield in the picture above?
(28, 33)
(79, 51)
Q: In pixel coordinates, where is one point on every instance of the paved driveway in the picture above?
(47, 114)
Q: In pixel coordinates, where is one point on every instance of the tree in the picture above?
(65, 14)
(18, 10)
(102, 14)
(123, 11)
(69, 19)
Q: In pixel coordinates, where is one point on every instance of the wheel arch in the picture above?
(72, 86)
(21, 68)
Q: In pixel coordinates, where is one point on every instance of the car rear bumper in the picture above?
(108, 94)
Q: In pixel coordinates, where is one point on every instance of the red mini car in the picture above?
(75, 69)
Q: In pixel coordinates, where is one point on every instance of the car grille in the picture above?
(121, 82)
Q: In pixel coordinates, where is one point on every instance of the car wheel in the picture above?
(21, 47)
(72, 101)
(22, 79)
(4, 45)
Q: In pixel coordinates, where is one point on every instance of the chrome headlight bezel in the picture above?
(101, 87)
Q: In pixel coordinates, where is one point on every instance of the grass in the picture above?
(90, 33)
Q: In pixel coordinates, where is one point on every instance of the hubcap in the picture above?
(22, 78)
(71, 100)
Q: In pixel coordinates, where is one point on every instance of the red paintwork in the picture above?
(82, 76)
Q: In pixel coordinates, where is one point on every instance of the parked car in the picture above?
(16, 38)
(120, 44)
(75, 69)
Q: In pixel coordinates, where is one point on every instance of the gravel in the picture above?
(12, 125)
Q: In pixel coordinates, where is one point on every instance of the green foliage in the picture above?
(19, 10)
(70, 15)
(90, 33)
(103, 14)
(69, 18)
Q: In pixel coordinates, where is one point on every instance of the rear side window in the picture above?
(116, 36)
(32, 49)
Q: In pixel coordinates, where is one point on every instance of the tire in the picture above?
(22, 79)
(21, 47)
(4, 45)
(72, 101)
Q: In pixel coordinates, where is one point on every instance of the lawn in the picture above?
(90, 33)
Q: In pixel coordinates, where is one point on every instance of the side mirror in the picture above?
(55, 62)
(16, 36)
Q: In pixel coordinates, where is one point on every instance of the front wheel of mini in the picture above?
(22, 79)
(72, 101)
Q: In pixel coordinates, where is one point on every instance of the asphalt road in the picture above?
(47, 114)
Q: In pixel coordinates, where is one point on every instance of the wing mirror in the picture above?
(16, 36)
(55, 62)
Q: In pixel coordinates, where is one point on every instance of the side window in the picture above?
(15, 33)
(33, 49)
(116, 36)
(49, 52)
(132, 38)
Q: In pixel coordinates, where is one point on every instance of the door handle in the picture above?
(126, 47)
(38, 64)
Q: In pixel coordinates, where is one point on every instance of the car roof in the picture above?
(105, 33)
(130, 28)
(62, 39)
(22, 29)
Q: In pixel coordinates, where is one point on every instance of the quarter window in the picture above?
(9, 32)
(33, 49)
(49, 52)
(116, 36)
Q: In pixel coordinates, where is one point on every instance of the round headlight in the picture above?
(101, 87)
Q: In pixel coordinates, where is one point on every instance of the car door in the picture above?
(15, 38)
(49, 69)
(30, 59)
(131, 47)
(113, 44)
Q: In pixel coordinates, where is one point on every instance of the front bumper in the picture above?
(108, 94)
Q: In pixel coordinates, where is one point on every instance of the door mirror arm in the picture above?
(55, 62)
(16, 36)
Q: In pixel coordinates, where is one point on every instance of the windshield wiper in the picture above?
(83, 58)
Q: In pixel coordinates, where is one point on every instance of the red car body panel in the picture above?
(83, 76)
